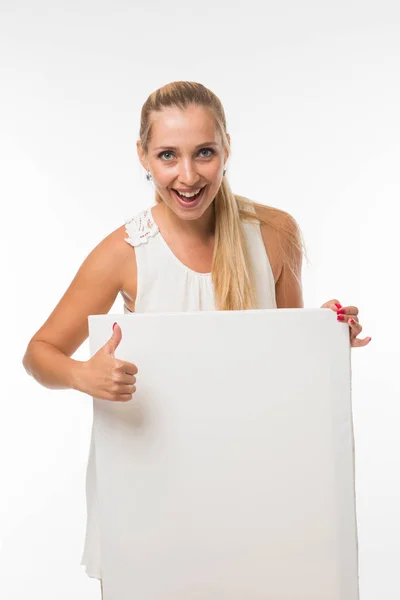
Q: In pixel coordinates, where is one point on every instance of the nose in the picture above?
(188, 175)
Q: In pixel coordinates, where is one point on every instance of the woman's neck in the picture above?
(199, 230)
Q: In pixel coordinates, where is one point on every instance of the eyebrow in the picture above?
(198, 146)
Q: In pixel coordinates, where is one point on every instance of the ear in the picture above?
(141, 155)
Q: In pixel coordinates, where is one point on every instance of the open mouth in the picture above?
(191, 199)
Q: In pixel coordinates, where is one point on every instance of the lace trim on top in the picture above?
(140, 228)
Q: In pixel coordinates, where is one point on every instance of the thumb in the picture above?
(114, 340)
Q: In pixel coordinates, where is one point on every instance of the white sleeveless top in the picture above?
(164, 284)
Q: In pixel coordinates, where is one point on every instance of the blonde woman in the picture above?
(200, 247)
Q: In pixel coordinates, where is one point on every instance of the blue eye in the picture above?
(165, 152)
(209, 150)
(160, 155)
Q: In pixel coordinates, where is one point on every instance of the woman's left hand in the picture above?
(348, 314)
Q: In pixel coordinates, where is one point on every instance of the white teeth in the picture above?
(188, 194)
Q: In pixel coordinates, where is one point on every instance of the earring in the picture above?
(148, 176)
(224, 171)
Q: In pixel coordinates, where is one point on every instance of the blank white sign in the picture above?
(230, 474)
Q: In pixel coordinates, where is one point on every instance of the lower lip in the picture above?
(192, 203)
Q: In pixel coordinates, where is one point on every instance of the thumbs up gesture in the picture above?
(105, 377)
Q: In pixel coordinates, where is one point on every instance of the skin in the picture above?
(189, 233)
(110, 268)
(185, 168)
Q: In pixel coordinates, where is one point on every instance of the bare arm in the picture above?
(92, 291)
(288, 288)
(51, 367)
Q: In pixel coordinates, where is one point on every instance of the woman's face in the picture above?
(185, 154)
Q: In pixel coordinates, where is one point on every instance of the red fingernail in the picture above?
(352, 321)
(338, 305)
(114, 325)
(341, 311)
(340, 317)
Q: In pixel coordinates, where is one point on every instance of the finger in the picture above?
(126, 394)
(355, 327)
(357, 343)
(348, 310)
(344, 318)
(124, 398)
(127, 367)
(127, 379)
(126, 389)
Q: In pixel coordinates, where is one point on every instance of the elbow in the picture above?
(26, 361)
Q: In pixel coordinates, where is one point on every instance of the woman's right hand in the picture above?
(105, 377)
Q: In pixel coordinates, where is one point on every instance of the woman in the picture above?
(199, 248)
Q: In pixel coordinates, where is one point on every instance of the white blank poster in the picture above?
(230, 474)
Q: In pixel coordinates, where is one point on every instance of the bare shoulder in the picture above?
(275, 225)
(276, 217)
(282, 239)
(92, 291)
(128, 267)
(120, 258)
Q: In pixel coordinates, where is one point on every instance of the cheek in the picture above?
(163, 177)
(212, 171)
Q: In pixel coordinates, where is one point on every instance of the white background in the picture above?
(311, 92)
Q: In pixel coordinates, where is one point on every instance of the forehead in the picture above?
(178, 127)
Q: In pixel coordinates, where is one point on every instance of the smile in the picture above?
(191, 200)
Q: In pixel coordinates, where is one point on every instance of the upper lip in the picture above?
(196, 189)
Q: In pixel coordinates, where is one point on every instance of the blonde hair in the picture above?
(232, 274)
